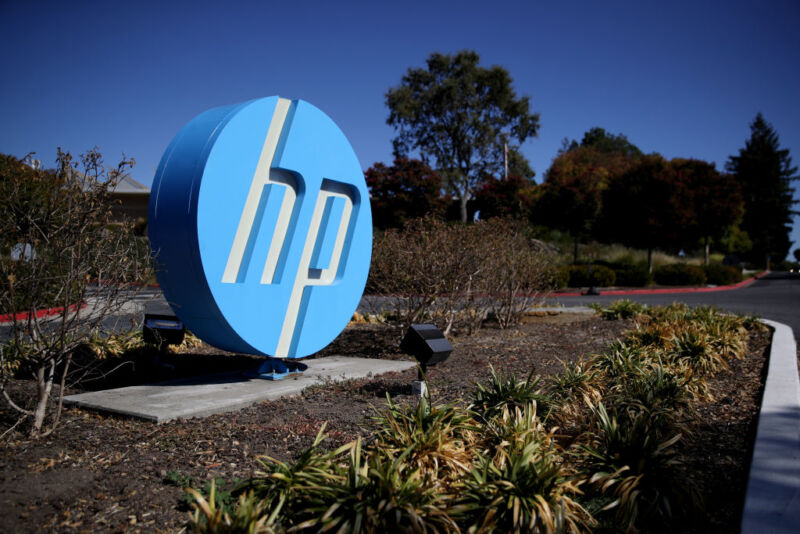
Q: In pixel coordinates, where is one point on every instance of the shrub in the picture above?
(514, 271)
(499, 469)
(572, 389)
(576, 380)
(600, 276)
(722, 275)
(657, 390)
(632, 275)
(562, 276)
(621, 309)
(455, 274)
(680, 274)
(63, 217)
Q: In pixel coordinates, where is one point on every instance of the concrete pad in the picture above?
(212, 394)
(772, 503)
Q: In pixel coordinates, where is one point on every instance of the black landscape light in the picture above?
(428, 345)
(162, 329)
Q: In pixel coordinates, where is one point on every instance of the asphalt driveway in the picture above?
(775, 296)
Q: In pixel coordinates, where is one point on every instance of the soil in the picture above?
(102, 473)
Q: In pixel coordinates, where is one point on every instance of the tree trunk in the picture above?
(45, 383)
(463, 205)
(707, 249)
(650, 260)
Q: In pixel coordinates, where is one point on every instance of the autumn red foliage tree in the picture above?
(715, 200)
(408, 189)
(648, 206)
(513, 196)
(572, 194)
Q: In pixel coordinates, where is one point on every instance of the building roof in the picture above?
(129, 186)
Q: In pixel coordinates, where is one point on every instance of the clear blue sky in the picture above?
(680, 78)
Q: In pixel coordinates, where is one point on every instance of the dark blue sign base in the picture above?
(277, 369)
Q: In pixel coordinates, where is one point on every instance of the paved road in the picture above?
(776, 296)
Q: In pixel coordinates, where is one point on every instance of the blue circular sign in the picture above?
(261, 228)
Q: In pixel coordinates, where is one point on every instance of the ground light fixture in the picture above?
(162, 330)
(427, 344)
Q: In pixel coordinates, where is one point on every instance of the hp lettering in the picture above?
(260, 219)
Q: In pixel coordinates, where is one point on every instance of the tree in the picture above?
(572, 192)
(59, 220)
(764, 172)
(647, 207)
(460, 117)
(715, 198)
(796, 254)
(605, 142)
(407, 190)
(506, 197)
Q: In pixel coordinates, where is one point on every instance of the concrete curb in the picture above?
(772, 502)
(666, 290)
(48, 312)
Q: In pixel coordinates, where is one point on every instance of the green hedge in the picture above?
(722, 275)
(680, 274)
(632, 275)
(601, 276)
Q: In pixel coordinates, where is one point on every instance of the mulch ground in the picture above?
(100, 473)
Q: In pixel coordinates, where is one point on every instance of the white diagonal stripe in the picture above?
(260, 179)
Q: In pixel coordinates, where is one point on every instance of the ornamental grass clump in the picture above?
(621, 309)
(614, 463)
(651, 335)
(512, 428)
(297, 488)
(505, 390)
(571, 390)
(523, 486)
(656, 390)
(636, 466)
(619, 359)
(434, 439)
(249, 515)
(691, 346)
(380, 493)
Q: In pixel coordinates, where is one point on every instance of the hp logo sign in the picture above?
(260, 222)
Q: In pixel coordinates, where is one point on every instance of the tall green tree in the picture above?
(605, 142)
(459, 117)
(764, 172)
(408, 189)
